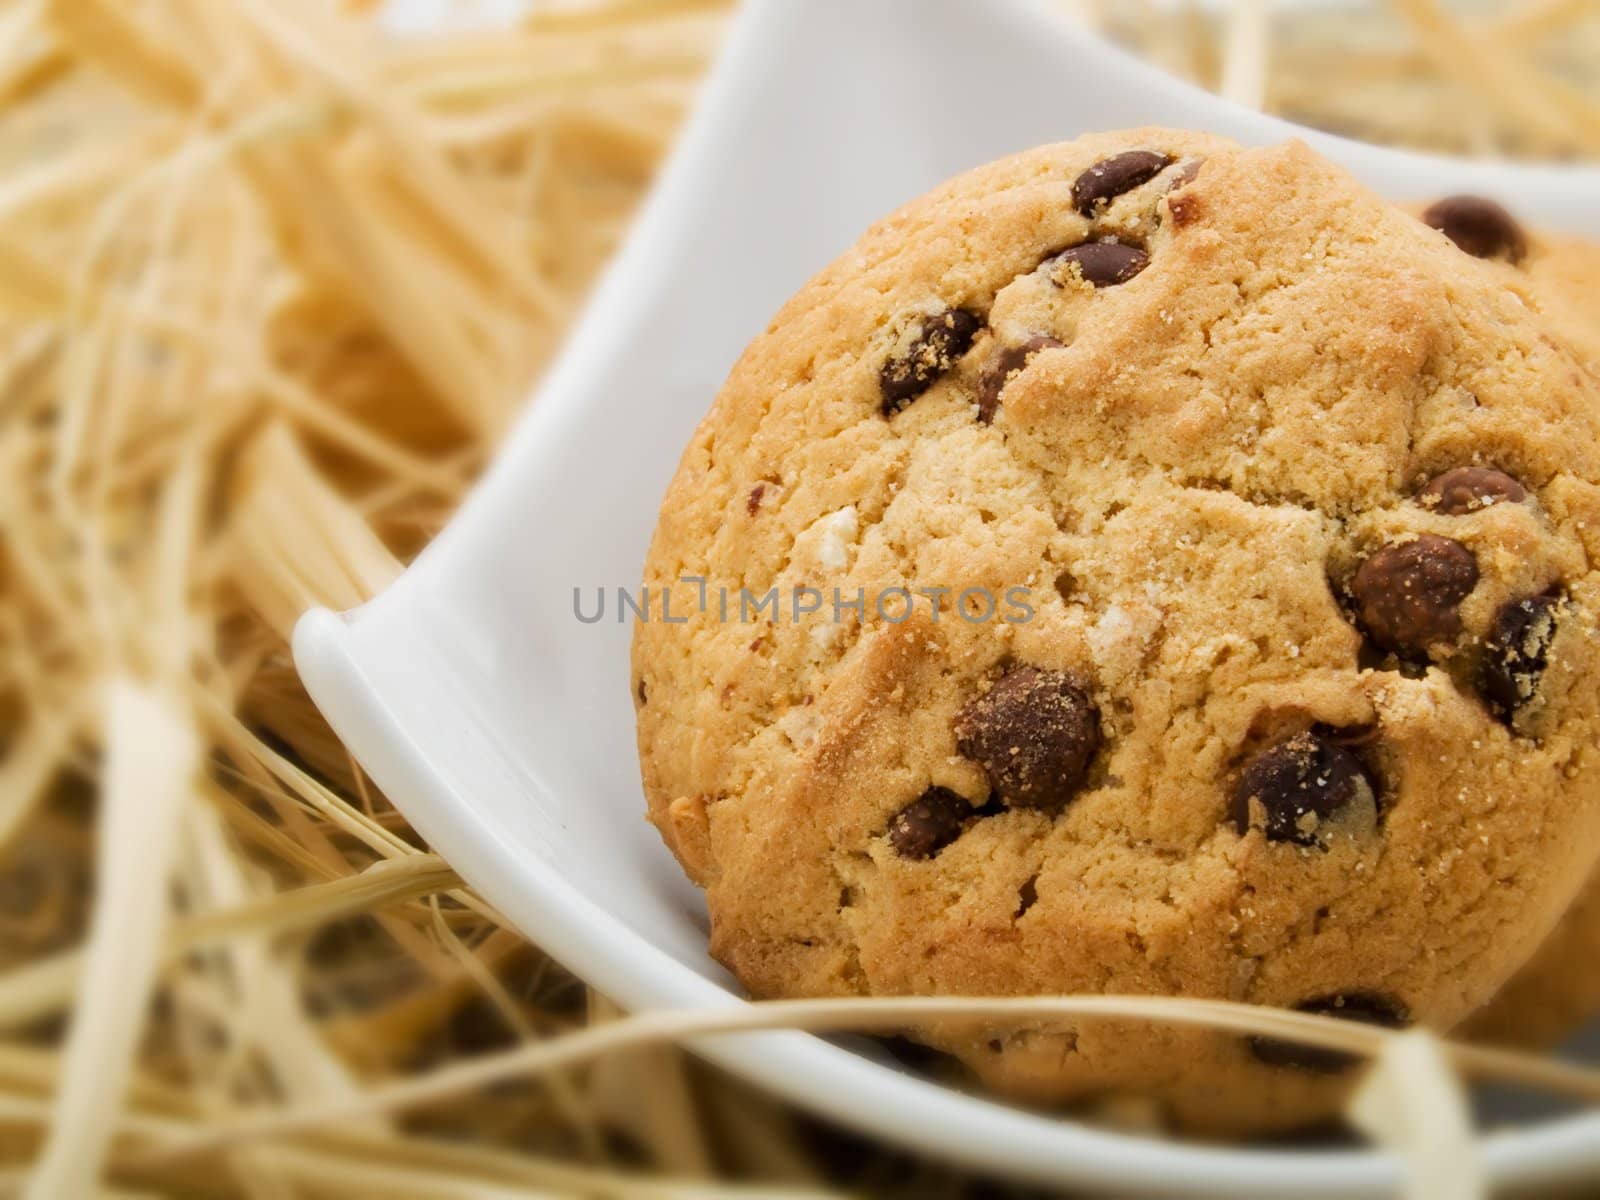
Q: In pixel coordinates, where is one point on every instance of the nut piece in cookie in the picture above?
(1465, 490)
(938, 342)
(1479, 226)
(1369, 1008)
(1300, 783)
(1034, 733)
(1408, 594)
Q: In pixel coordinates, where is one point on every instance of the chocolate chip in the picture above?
(752, 504)
(1299, 783)
(1004, 365)
(1034, 733)
(1516, 652)
(1408, 594)
(929, 823)
(1112, 176)
(939, 342)
(1480, 227)
(1369, 1008)
(1104, 263)
(1467, 489)
(1185, 174)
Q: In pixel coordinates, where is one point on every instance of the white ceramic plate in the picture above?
(503, 727)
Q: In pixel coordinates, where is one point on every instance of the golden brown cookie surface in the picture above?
(1187, 659)
(1558, 989)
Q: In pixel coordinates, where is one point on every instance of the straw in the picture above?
(272, 286)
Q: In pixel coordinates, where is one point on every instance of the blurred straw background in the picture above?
(272, 285)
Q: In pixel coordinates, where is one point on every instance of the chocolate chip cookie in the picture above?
(1558, 990)
(1141, 565)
